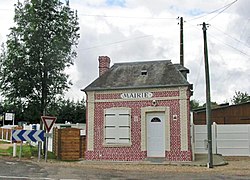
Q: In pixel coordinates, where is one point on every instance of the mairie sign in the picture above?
(28, 135)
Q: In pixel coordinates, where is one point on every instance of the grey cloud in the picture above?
(132, 50)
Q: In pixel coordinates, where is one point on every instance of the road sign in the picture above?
(9, 116)
(48, 122)
(28, 135)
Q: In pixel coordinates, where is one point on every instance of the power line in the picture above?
(126, 17)
(198, 75)
(240, 51)
(222, 8)
(231, 37)
(116, 42)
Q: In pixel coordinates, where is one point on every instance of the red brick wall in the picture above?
(104, 63)
(134, 153)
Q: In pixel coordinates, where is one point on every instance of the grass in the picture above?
(28, 151)
(5, 152)
(3, 142)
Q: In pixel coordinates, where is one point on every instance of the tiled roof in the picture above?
(145, 74)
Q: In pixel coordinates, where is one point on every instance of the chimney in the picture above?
(104, 63)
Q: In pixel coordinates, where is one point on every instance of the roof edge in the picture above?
(132, 87)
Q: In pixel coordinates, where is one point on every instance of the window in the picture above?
(155, 119)
(117, 126)
(144, 72)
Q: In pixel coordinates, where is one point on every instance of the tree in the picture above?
(240, 97)
(71, 111)
(68, 110)
(64, 110)
(80, 111)
(38, 49)
(194, 104)
(213, 105)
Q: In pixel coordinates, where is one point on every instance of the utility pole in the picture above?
(208, 99)
(181, 42)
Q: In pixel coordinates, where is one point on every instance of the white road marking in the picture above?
(10, 163)
(18, 177)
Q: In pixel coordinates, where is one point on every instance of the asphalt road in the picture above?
(14, 169)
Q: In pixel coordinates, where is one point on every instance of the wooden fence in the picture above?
(68, 144)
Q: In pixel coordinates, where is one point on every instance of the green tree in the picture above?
(68, 110)
(194, 104)
(1, 112)
(240, 97)
(80, 112)
(38, 49)
(213, 105)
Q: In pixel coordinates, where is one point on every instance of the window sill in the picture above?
(117, 145)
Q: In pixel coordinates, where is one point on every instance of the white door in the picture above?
(155, 135)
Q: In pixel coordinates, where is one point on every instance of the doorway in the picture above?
(155, 135)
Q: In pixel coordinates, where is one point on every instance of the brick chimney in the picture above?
(104, 64)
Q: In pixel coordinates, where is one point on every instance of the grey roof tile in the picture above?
(128, 75)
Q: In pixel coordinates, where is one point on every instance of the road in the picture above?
(31, 170)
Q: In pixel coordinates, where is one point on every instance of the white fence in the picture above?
(228, 140)
(6, 132)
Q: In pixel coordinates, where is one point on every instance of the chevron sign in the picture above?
(28, 135)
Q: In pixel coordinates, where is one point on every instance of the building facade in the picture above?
(138, 110)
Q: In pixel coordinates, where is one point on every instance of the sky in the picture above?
(146, 30)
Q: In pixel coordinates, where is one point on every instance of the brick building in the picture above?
(138, 110)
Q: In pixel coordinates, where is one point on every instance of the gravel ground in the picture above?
(236, 166)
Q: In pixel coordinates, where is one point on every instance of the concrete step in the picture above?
(156, 159)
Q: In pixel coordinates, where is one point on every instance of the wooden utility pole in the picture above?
(181, 42)
(208, 99)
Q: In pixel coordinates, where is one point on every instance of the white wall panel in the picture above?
(228, 140)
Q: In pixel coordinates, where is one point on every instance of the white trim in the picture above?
(142, 99)
(90, 122)
(183, 119)
(25, 177)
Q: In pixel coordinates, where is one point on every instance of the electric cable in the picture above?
(231, 37)
(126, 17)
(112, 43)
(222, 10)
(226, 6)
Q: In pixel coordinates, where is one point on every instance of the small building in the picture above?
(138, 110)
(224, 114)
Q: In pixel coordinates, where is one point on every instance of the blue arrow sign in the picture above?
(28, 135)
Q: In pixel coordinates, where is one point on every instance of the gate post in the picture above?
(249, 140)
(214, 137)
